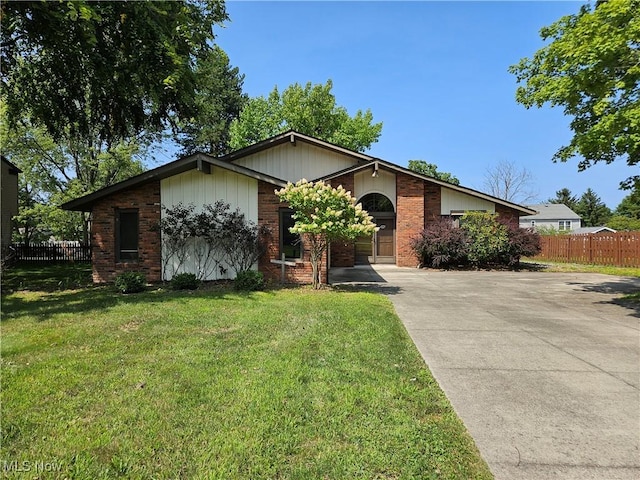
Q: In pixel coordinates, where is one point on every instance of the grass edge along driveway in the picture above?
(213, 384)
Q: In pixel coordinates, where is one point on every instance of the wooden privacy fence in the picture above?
(58, 252)
(620, 249)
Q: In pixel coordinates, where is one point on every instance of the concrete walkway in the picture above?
(543, 368)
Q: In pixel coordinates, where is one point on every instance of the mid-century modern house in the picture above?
(552, 215)
(9, 199)
(402, 203)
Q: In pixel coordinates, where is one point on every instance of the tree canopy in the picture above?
(565, 197)
(55, 171)
(311, 110)
(630, 205)
(109, 69)
(591, 68)
(218, 101)
(431, 170)
(592, 209)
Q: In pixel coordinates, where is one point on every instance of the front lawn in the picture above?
(293, 384)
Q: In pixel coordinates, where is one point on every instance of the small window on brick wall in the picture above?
(290, 243)
(126, 235)
(456, 215)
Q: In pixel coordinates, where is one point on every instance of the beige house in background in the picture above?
(9, 201)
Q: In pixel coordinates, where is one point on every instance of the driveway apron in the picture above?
(543, 368)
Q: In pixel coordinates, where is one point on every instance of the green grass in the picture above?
(293, 384)
(46, 277)
(580, 268)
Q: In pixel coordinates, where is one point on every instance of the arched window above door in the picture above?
(376, 202)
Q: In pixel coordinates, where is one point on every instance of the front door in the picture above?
(385, 237)
(381, 247)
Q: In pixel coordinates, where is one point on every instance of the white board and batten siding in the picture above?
(384, 183)
(197, 188)
(454, 201)
(293, 162)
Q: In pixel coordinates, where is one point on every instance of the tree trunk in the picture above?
(317, 249)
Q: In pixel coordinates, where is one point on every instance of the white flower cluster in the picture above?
(322, 209)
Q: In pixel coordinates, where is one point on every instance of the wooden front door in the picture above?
(385, 237)
(382, 247)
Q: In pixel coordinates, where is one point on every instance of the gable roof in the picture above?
(200, 161)
(291, 136)
(552, 211)
(377, 162)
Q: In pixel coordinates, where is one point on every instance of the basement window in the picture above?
(127, 235)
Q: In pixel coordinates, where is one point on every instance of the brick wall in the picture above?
(410, 216)
(508, 215)
(146, 198)
(343, 254)
(269, 206)
(432, 202)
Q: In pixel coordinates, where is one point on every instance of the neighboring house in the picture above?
(9, 199)
(551, 215)
(402, 203)
(584, 230)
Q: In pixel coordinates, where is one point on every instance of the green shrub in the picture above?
(185, 281)
(131, 282)
(249, 280)
(488, 238)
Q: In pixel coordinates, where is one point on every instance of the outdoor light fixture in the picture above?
(375, 170)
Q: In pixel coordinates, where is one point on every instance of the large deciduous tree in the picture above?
(57, 171)
(627, 215)
(324, 214)
(431, 170)
(107, 69)
(311, 110)
(85, 88)
(591, 68)
(630, 205)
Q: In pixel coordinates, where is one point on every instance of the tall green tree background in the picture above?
(431, 170)
(218, 100)
(309, 109)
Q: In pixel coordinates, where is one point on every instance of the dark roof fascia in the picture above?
(181, 165)
(292, 136)
(13, 170)
(468, 191)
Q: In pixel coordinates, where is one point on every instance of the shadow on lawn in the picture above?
(48, 304)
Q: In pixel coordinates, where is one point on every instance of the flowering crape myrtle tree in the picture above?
(324, 214)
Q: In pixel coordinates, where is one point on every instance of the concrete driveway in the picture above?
(543, 368)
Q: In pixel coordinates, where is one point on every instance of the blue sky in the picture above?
(435, 74)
